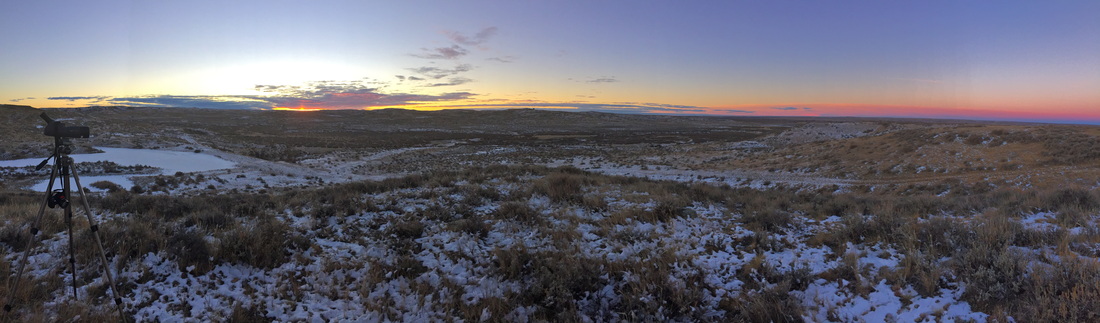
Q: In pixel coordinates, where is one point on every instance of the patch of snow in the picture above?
(883, 304)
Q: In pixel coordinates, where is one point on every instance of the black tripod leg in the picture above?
(69, 223)
(99, 242)
(32, 232)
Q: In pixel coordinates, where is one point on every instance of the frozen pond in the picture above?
(169, 162)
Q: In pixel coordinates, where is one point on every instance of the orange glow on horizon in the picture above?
(300, 109)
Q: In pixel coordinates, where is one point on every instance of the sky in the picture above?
(1003, 60)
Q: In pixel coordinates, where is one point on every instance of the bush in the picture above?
(265, 244)
(210, 220)
(410, 229)
(129, 238)
(473, 225)
(556, 281)
(517, 211)
(769, 220)
(107, 186)
(1066, 293)
(562, 187)
(189, 248)
(993, 272)
(1074, 197)
(670, 207)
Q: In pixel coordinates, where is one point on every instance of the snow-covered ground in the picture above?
(733, 178)
(353, 269)
(168, 161)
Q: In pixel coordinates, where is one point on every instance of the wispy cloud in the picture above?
(455, 52)
(452, 52)
(239, 102)
(478, 39)
(438, 73)
(79, 98)
(792, 108)
(350, 95)
(502, 59)
(729, 111)
(363, 100)
(605, 79)
(21, 99)
(452, 82)
(314, 95)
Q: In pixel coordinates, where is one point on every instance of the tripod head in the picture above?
(62, 144)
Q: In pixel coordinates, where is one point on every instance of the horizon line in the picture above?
(567, 108)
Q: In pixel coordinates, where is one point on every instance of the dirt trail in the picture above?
(252, 163)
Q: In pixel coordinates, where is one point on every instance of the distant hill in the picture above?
(16, 106)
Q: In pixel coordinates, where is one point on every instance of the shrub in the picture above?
(410, 229)
(556, 280)
(1065, 293)
(668, 208)
(409, 267)
(767, 220)
(473, 225)
(769, 305)
(1073, 197)
(189, 248)
(107, 186)
(993, 272)
(265, 244)
(210, 220)
(562, 187)
(517, 211)
(130, 238)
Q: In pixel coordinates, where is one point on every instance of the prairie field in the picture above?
(534, 215)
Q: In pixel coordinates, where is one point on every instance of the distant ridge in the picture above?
(17, 106)
(534, 116)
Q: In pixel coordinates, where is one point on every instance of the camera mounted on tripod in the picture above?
(59, 129)
(57, 199)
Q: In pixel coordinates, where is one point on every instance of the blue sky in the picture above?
(1004, 60)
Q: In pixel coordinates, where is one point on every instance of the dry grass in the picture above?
(981, 250)
(952, 226)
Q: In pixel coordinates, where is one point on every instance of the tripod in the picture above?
(63, 168)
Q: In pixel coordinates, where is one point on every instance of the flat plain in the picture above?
(535, 215)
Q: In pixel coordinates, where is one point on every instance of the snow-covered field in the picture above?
(494, 249)
(614, 230)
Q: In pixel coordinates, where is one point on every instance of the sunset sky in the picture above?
(1003, 60)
